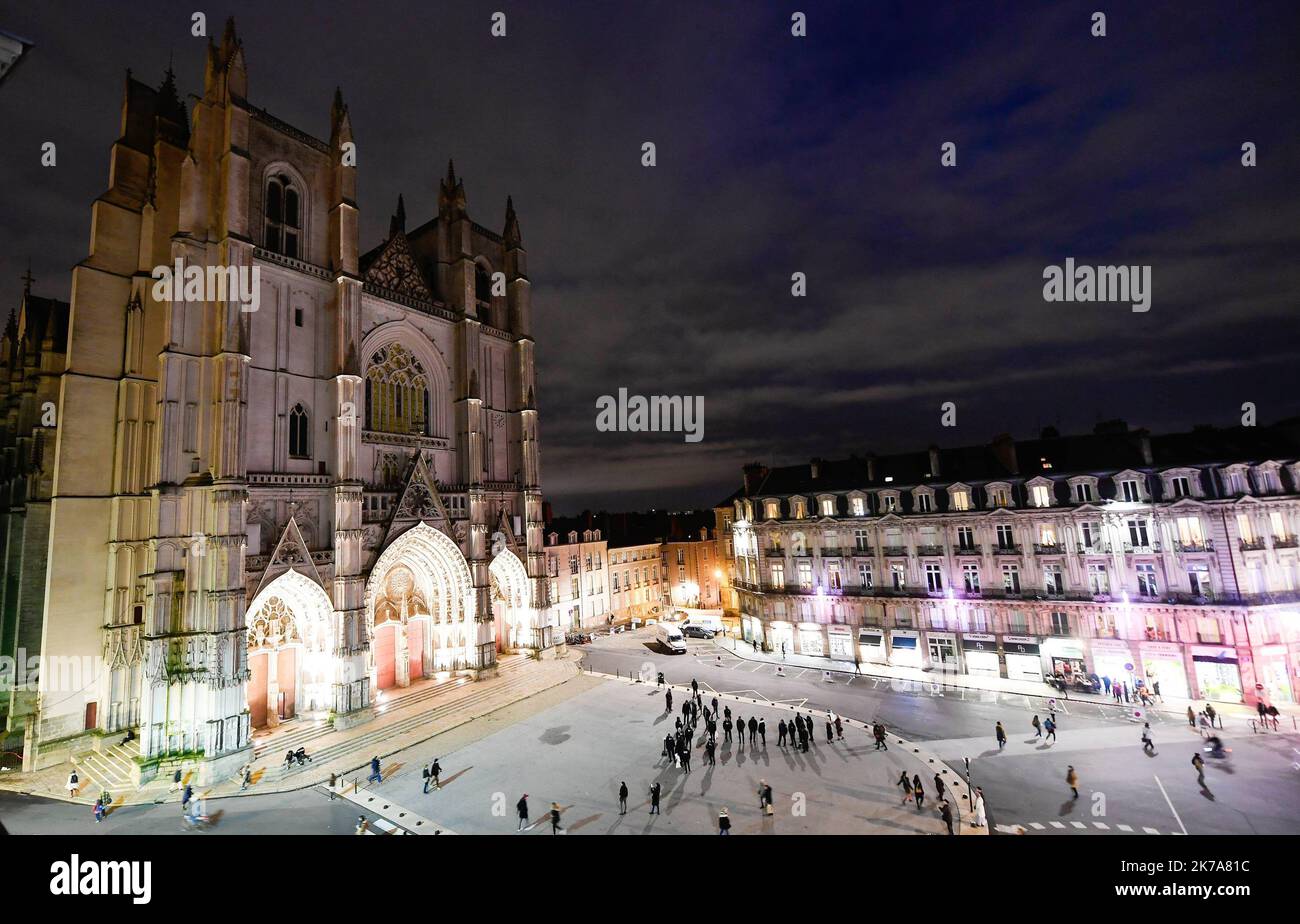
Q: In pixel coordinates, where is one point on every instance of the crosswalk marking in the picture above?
(1020, 828)
(1079, 824)
(1150, 830)
(1057, 824)
(1124, 828)
(1102, 825)
(1037, 826)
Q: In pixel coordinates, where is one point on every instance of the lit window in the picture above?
(283, 218)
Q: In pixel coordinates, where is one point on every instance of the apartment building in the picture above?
(1118, 553)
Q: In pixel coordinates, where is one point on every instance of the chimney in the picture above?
(815, 468)
(755, 472)
(871, 466)
(1004, 447)
(934, 461)
(1144, 446)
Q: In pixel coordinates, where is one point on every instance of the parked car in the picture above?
(691, 631)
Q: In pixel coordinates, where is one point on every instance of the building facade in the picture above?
(694, 570)
(257, 514)
(579, 579)
(637, 589)
(1129, 556)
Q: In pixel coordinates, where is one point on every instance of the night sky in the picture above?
(775, 155)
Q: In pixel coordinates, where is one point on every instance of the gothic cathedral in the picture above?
(221, 518)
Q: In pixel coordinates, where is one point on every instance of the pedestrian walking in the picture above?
(176, 781)
(919, 791)
(780, 733)
(1209, 711)
(1191, 717)
(246, 777)
(375, 775)
(767, 797)
(726, 712)
(724, 822)
(186, 796)
(363, 826)
(1147, 744)
(99, 810)
(839, 728)
(709, 747)
(762, 795)
(762, 732)
(740, 732)
(726, 728)
(715, 706)
(906, 786)
(74, 783)
(945, 812)
(1072, 780)
(695, 687)
(655, 789)
(879, 731)
(668, 701)
(555, 818)
(436, 771)
(1038, 727)
(830, 732)
(685, 754)
(1001, 734)
(521, 809)
(622, 798)
(938, 786)
(753, 731)
(1155, 689)
(659, 679)
(1050, 725)
(981, 818)
(1199, 764)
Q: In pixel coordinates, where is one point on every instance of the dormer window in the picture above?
(771, 509)
(1083, 490)
(1040, 495)
(1234, 482)
(1130, 491)
(924, 502)
(827, 506)
(283, 213)
(858, 505)
(959, 498)
(999, 495)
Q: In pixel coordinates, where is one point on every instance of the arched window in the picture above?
(283, 211)
(397, 392)
(298, 445)
(482, 283)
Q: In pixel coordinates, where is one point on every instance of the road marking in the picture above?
(1037, 826)
(1125, 828)
(1057, 824)
(1181, 826)
(1102, 825)
(1150, 830)
(1079, 824)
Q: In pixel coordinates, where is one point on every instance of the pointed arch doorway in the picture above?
(290, 650)
(512, 624)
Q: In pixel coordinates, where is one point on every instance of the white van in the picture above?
(670, 638)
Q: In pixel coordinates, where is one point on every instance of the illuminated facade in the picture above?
(259, 514)
(1132, 557)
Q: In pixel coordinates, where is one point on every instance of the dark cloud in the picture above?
(776, 155)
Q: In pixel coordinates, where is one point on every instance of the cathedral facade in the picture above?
(241, 516)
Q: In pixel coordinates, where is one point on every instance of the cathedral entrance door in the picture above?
(386, 656)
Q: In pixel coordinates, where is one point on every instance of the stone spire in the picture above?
(511, 233)
(398, 221)
(451, 195)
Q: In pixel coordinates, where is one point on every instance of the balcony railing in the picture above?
(1252, 545)
(774, 553)
(1149, 549)
(1097, 548)
(1284, 542)
(1006, 550)
(895, 551)
(863, 551)
(929, 550)
(832, 551)
(1199, 545)
(1048, 548)
(969, 549)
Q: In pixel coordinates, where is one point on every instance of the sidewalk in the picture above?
(953, 681)
(403, 721)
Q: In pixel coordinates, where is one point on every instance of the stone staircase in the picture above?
(109, 769)
(367, 743)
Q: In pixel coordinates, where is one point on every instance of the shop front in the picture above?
(871, 646)
(1162, 662)
(751, 628)
(1273, 671)
(1217, 674)
(840, 639)
(1112, 657)
(780, 636)
(812, 641)
(1024, 662)
(1064, 656)
(943, 651)
(981, 653)
(904, 648)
